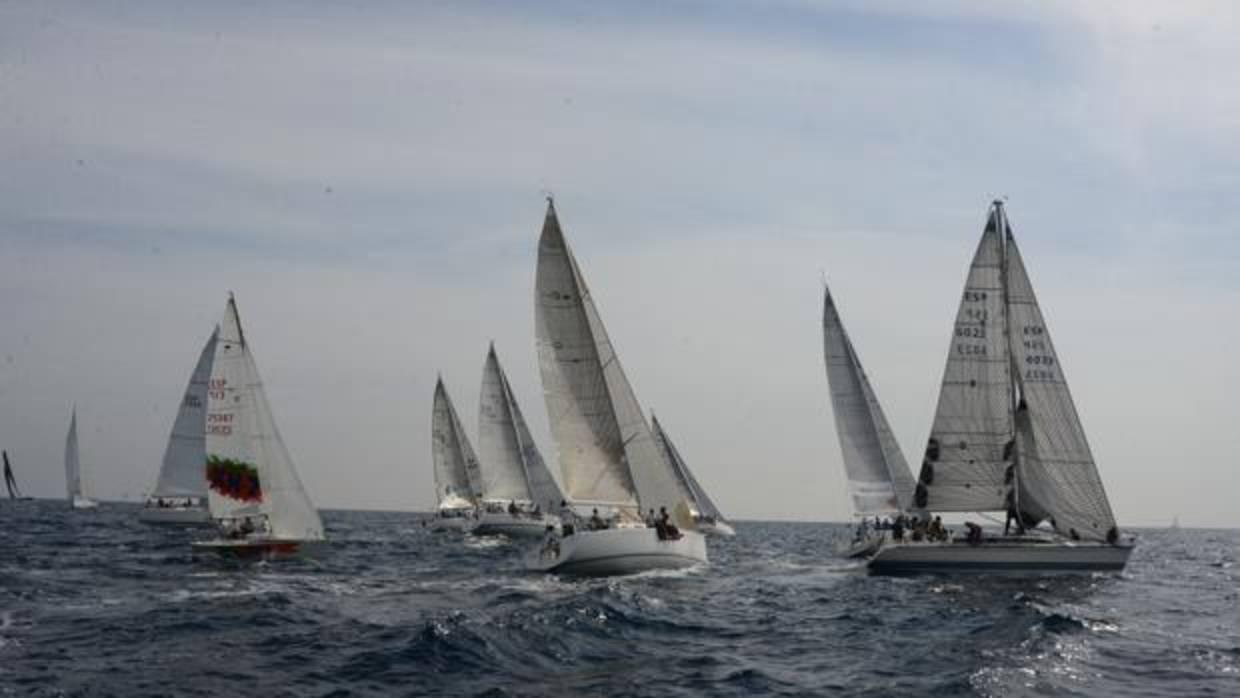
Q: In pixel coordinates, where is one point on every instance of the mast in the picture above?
(1013, 382)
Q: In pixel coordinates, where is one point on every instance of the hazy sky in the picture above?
(368, 179)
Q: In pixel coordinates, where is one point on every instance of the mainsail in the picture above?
(971, 444)
(183, 473)
(249, 470)
(1006, 434)
(689, 485)
(458, 477)
(512, 467)
(607, 453)
(879, 479)
(73, 461)
(10, 482)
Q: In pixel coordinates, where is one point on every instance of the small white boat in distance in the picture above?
(879, 479)
(608, 455)
(458, 477)
(180, 495)
(706, 516)
(1007, 438)
(253, 492)
(519, 495)
(73, 469)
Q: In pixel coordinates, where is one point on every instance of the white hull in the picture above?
(619, 551)
(84, 503)
(457, 524)
(1000, 556)
(718, 528)
(495, 524)
(865, 547)
(176, 516)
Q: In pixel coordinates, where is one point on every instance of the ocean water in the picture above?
(95, 603)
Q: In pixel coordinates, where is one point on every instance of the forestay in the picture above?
(458, 476)
(607, 453)
(879, 479)
(690, 487)
(1056, 469)
(183, 473)
(512, 466)
(249, 469)
(970, 443)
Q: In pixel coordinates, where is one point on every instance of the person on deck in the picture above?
(512, 508)
(669, 530)
(568, 518)
(596, 522)
(897, 530)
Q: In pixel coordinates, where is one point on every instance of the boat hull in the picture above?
(617, 551)
(84, 503)
(1017, 557)
(456, 524)
(257, 548)
(175, 516)
(494, 524)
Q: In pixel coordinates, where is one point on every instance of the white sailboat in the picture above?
(180, 495)
(73, 469)
(706, 516)
(254, 494)
(518, 492)
(458, 478)
(879, 480)
(608, 456)
(1007, 438)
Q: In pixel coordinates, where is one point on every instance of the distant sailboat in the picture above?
(608, 455)
(10, 482)
(518, 492)
(458, 477)
(706, 516)
(73, 469)
(879, 480)
(1007, 438)
(254, 493)
(180, 495)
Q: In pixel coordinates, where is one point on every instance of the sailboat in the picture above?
(180, 495)
(706, 516)
(73, 469)
(879, 480)
(10, 482)
(518, 492)
(458, 478)
(254, 494)
(608, 455)
(1007, 438)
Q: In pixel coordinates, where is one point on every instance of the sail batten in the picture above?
(879, 480)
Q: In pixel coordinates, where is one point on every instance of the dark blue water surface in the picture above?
(96, 603)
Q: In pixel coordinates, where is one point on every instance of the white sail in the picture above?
(690, 487)
(183, 472)
(607, 453)
(512, 466)
(499, 445)
(458, 477)
(249, 469)
(879, 479)
(73, 462)
(970, 445)
(1056, 469)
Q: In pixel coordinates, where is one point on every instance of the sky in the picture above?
(369, 179)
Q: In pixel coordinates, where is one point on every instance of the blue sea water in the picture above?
(96, 603)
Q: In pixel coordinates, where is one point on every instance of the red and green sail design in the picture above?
(234, 478)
